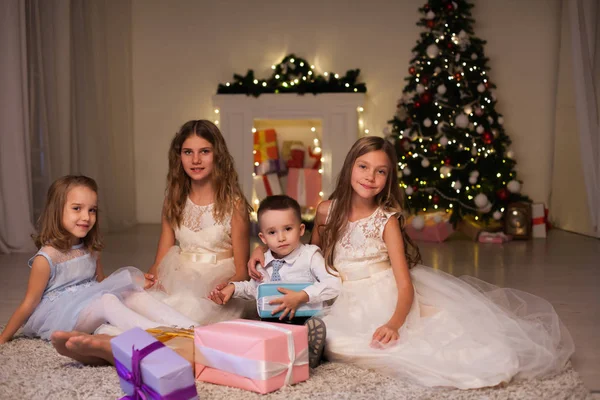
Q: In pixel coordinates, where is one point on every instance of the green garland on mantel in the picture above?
(294, 75)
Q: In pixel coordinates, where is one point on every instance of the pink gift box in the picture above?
(431, 232)
(304, 185)
(252, 355)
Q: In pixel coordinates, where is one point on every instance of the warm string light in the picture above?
(217, 117)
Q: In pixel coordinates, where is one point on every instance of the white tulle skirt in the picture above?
(462, 333)
(185, 285)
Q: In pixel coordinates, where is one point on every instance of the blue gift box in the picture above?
(149, 370)
(268, 292)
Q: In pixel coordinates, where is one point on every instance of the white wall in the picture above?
(183, 49)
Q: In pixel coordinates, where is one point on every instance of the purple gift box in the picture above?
(149, 370)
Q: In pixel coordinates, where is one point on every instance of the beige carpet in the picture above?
(31, 369)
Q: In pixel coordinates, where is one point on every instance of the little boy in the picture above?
(288, 260)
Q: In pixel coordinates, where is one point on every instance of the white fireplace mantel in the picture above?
(337, 111)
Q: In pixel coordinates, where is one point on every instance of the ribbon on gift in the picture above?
(265, 146)
(141, 391)
(250, 368)
(542, 220)
(267, 185)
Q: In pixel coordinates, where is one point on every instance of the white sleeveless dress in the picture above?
(202, 258)
(461, 333)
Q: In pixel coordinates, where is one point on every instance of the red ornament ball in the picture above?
(415, 188)
(412, 70)
(487, 137)
(450, 45)
(502, 194)
(424, 80)
(417, 104)
(450, 7)
(486, 84)
(436, 199)
(426, 98)
(447, 161)
(433, 147)
(430, 23)
(458, 76)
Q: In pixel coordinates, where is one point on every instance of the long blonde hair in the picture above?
(223, 176)
(50, 227)
(390, 199)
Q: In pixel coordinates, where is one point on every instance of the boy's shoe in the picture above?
(316, 340)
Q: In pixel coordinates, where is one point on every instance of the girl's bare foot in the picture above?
(59, 340)
(92, 347)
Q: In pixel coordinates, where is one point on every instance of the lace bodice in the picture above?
(199, 232)
(362, 242)
(69, 271)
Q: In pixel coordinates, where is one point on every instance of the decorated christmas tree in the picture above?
(452, 149)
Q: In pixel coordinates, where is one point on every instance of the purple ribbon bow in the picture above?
(141, 391)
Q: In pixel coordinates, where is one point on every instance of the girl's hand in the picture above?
(257, 257)
(289, 303)
(2, 341)
(384, 335)
(150, 281)
(222, 293)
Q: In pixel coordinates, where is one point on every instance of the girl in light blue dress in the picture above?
(67, 288)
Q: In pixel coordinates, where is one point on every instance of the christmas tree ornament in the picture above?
(425, 80)
(437, 70)
(432, 51)
(500, 120)
(418, 222)
(487, 137)
(479, 111)
(480, 129)
(426, 98)
(497, 215)
(510, 154)
(406, 171)
(462, 121)
(474, 151)
(495, 132)
(417, 104)
(474, 173)
(425, 163)
(472, 180)
(430, 24)
(427, 122)
(468, 109)
(514, 186)
(457, 185)
(408, 190)
(490, 120)
(445, 171)
(481, 88)
(448, 161)
(412, 70)
(433, 147)
(481, 200)
(430, 15)
(502, 194)
(420, 89)
(458, 76)
(441, 89)
(436, 199)
(473, 56)
(443, 141)
(450, 7)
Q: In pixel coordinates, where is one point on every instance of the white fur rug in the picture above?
(31, 369)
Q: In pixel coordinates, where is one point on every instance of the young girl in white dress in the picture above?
(204, 241)
(418, 323)
(67, 288)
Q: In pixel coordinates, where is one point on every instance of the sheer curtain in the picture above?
(584, 18)
(82, 99)
(66, 108)
(575, 198)
(15, 183)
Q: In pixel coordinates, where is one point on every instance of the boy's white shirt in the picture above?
(304, 264)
